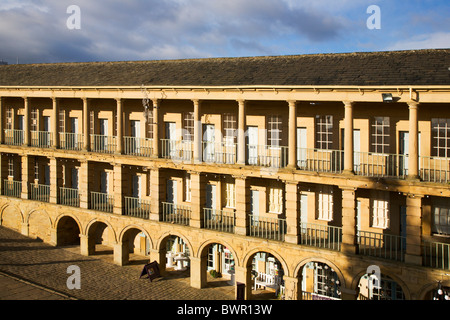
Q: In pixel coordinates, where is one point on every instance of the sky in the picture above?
(49, 31)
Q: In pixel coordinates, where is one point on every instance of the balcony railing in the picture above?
(136, 207)
(321, 236)
(223, 152)
(14, 137)
(12, 188)
(320, 160)
(434, 169)
(103, 144)
(69, 197)
(267, 228)
(380, 164)
(436, 255)
(71, 141)
(179, 150)
(39, 192)
(385, 246)
(102, 201)
(267, 156)
(220, 220)
(138, 146)
(41, 139)
(175, 213)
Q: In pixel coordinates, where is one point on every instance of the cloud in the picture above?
(436, 40)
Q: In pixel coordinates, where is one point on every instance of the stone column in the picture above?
(86, 126)
(84, 184)
(292, 147)
(118, 199)
(291, 288)
(156, 193)
(54, 183)
(27, 174)
(241, 133)
(197, 133)
(413, 160)
(26, 125)
(156, 114)
(55, 116)
(197, 200)
(348, 220)
(243, 275)
(242, 199)
(120, 255)
(292, 212)
(119, 137)
(198, 271)
(348, 137)
(84, 245)
(414, 229)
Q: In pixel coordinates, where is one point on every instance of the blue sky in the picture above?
(36, 31)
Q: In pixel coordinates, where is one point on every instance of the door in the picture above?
(211, 200)
(403, 153)
(356, 151)
(103, 142)
(252, 144)
(303, 212)
(135, 134)
(19, 136)
(104, 183)
(301, 148)
(46, 135)
(74, 175)
(169, 149)
(254, 207)
(73, 140)
(136, 186)
(208, 142)
(171, 191)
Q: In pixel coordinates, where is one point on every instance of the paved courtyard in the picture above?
(31, 269)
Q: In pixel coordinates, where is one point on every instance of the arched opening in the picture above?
(135, 246)
(220, 266)
(175, 253)
(101, 239)
(67, 232)
(39, 226)
(267, 276)
(319, 281)
(372, 288)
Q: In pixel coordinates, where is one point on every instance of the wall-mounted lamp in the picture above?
(387, 97)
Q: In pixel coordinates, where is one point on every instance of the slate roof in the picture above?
(394, 68)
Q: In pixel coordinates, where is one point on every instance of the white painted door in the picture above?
(73, 140)
(254, 206)
(171, 191)
(304, 208)
(403, 152)
(252, 143)
(103, 142)
(170, 144)
(211, 196)
(136, 186)
(208, 142)
(356, 150)
(301, 147)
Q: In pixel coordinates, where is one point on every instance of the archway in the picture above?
(67, 232)
(319, 281)
(39, 226)
(219, 266)
(267, 276)
(386, 288)
(175, 255)
(11, 218)
(135, 246)
(101, 239)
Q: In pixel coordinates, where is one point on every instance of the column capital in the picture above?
(348, 103)
(292, 102)
(413, 104)
(156, 102)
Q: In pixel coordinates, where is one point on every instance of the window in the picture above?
(380, 210)
(274, 131)
(324, 132)
(441, 218)
(36, 170)
(11, 167)
(440, 133)
(325, 203)
(275, 200)
(229, 127)
(230, 194)
(62, 121)
(187, 187)
(34, 119)
(188, 126)
(380, 135)
(9, 119)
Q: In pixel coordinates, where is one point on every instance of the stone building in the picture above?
(298, 173)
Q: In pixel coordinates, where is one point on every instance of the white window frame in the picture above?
(381, 124)
(188, 126)
(381, 210)
(274, 125)
(230, 194)
(440, 143)
(275, 200)
(325, 203)
(324, 132)
(187, 187)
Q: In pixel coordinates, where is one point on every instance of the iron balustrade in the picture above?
(179, 150)
(69, 197)
(14, 137)
(380, 245)
(71, 141)
(136, 207)
(436, 255)
(138, 146)
(41, 139)
(102, 201)
(220, 220)
(372, 164)
(267, 156)
(103, 144)
(39, 192)
(12, 188)
(267, 228)
(222, 152)
(175, 213)
(320, 160)
(434, 169)
(321, 236)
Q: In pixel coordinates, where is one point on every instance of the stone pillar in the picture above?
(54, 183)
(413, 160)
(26, 125)
(197, 200)
(156, 193)
(160, 257)
(55, 120)
(118, 199)
(197, 133)
(241, 133)
(156, 114)
(119, 137)
(86, 126)
(120, 254)
(27, 174)
(413, 229)
(83, 190)
(244, 275)
(84, 245)
(292, 147)
(348, 220)
(292, 212)
(198, 272)
(348, 137)
(242, 199)
(291, 288)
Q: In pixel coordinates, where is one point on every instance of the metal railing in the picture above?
(39, 192)
(321, 236)
(136, 207)
(222, 152)
(71, 141)
(102, 202)
(103, 144)
(14, 137)
(69, 197)
(386, 246)
(137, 146)
(175, 213)
(315, 296)
(267, 228)
(267, 156)
(41, 139)
(372, 164)
(434, 169)
(181, 150)
(12, 188)
(320, 160)
(436, 255)
(220, 220)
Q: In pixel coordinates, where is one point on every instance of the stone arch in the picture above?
(426, 291)
(11, 217)
(39, 225)
(68, 229)
(247, 258)
(302, 263)
(99, 232)
(162, 239)
(205, 245)
(129, 243)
